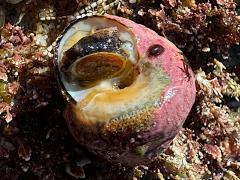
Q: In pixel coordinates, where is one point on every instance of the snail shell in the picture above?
(128, 90)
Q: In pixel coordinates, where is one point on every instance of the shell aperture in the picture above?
(91, 53)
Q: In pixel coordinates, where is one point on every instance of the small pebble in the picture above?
(132, 1)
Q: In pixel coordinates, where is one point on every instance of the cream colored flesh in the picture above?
(102, 103)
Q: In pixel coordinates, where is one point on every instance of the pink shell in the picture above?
(177, 100)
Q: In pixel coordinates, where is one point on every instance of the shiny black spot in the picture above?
(155, 50)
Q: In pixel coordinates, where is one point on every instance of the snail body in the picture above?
(126, 88)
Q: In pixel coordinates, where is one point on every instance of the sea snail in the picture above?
(128, 90)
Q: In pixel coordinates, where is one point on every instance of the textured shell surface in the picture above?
(128, 90)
